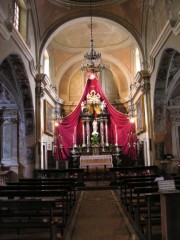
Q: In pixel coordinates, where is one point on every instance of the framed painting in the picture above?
(140, 123)
(48, 123)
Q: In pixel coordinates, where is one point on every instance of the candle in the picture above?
(116, 136)
(74, 136)
(73, 140)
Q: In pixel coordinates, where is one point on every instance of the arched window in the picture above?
(46, 63)
(16, 16)
(137, 60)
(20, 15)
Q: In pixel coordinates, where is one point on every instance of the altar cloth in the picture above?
(96, 160)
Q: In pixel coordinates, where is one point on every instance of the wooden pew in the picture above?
(29, 214)
(18, 187)
(148, 210)
(131, 199)
(68, 184)
(151, 200)
(117, 172)
(74, 173)
(144, 212)
(60, 196)
(125, 191)
(126, 184)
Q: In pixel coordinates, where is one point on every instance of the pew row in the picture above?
(24, 214)
(74, 173)
(141, 200)
(117, 172)
(60, 196)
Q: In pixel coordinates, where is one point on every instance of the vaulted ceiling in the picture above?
(64, 30)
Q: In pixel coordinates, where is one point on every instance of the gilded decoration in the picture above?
(93, 104)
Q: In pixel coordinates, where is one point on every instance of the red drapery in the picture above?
(119, 127)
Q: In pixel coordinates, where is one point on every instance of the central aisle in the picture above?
(98, 216)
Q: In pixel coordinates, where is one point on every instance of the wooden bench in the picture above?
(153, 216)
(70, 191)
(125, 181)
(145, 212)
(117, 172)
(148, 210)
(29, 214)
(58, 184)
(126, 184)
(74, 173)
(60, 197)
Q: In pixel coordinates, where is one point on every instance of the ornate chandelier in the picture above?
(92, 59)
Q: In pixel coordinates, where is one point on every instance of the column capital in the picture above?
(39, 90)
(143, 78)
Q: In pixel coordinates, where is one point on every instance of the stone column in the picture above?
(39, 90)
(88, 133)
(102, 131)
(106, 133)
(145, 88)
(83, 134)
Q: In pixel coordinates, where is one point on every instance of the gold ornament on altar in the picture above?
(93, 104)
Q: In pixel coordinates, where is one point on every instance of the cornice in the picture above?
(167, 30)
(22, 45)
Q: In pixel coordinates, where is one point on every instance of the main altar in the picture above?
(96, 161)
(93, 130)
(95, 150)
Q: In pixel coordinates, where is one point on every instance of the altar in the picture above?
(95, 133)
(94, 161)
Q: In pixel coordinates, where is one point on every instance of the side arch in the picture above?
(17, 114)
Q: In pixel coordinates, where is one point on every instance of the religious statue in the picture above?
(95, 127)
(103, 106)
(83, 106)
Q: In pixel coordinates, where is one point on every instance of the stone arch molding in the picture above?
(17, 105)
(165, 83)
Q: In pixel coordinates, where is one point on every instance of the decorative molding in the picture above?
(43, 86)
(5, 33)
(176, 28)
(142, 79)
(161, 39)
(21, 44)
(82, 3)
(159, 44)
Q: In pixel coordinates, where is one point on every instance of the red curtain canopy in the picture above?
(69, 130)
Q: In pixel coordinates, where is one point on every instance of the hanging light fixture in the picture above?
(131, 107)
(92, 59)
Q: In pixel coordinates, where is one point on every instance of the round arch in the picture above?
(14, 79)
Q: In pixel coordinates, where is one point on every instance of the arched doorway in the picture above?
(167, 106)
(17, 118)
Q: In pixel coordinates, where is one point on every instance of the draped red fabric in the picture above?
(119, 127)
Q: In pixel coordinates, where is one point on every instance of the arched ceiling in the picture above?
(68, 41)
(85, 2)
(76, 36)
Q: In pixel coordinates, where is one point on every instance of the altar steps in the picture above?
(97, 185)
(90, 188)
